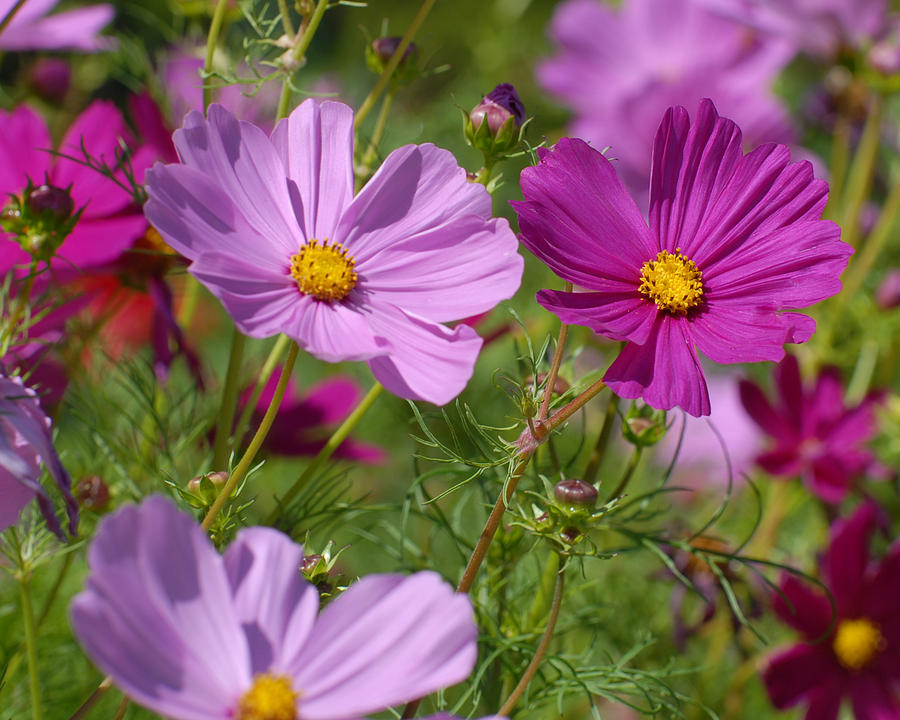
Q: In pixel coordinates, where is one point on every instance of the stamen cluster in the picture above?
(271, 697)
(672, 281)
(856, 643)
(324, 271)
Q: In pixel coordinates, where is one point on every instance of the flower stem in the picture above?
(389, 69)
(629, 473)
(532, 668)
(215, 27)
(30, 644)
(11, 14)
(862, 171)
(262, 380)
(333, 444)
(264, 426)
(590, 472)
(93, 699)
(554, 366)
(371, 153)
(564, 413)
(298, 51)
(285, 13)
(229, 401)
(840, 156)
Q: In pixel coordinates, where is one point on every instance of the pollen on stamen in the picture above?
(324, 271)
(672, 282)
(271, 697)
(856, 643)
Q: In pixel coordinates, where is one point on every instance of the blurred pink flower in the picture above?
(33, 29)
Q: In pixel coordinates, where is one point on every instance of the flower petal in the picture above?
(156, 614)
(665, 371)
(386, 640)
(847, 558)
(336, 331)
(315, 144)
(795, 674)
(616, 314)
(274, 604)
(427, 361)
(873, 698)
(804, 609)
(760, 409)
(14, 495)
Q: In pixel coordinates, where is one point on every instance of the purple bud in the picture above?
(92, 493)
(50, 78)
(575, 492)
(385, 47)
(888, 293)
(497, 107)
(52, 200)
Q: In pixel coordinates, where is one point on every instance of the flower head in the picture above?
(24, 443)
(817, 436)
(855, 655)
(732, 240)
(619, 69)
(33, 29)
(273, 230)
(191, 634)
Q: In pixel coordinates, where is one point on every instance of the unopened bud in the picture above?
(575, 492)
(50, 78)
(92, 493)
(380, 52)
(643, 425)
(51, 201)
(208, 485)
(888, 293)
(495, 125)
(310, 563)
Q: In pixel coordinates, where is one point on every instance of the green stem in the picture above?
(541, 650)
(215, 27)
(285, 13)
(298, 51)
(389, 69)
(840, 157)
(243, 423)
(189, 303)
(371, 153)
(261, 432)
(11, 14)
(30, 645)
(93, 699)
(554, 366)
(862, 171)
(590, 472)
(564, 413)
(54, 591)
(333, 444)
(484, 175)
(626, 478)
(228, 407)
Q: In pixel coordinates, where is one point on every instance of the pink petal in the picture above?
(758, 407)
(386, 640)
(805, 609)
(616, 314)
(71, 30)
(98, 241)
(873, 698)
(24, 142)
(336, 331)
(427, 361)
(799, 672)
(14, 496)
(733, 332)
(315, 144)
(665, 371)
(847, 558)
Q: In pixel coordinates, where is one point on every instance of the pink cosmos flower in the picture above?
(733, 239)
(619, 69)
(817, 436)
(858, 656)
(32, 29)
(275, 233)
(193, 635)
(25, 442)
(111, 221)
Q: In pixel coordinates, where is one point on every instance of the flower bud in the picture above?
(380, 52)
(575, 492)
(208, 485)
(887, 296)
(50, 201)
(50, 78)
(495, 125)
(643, 425)
(92, 493)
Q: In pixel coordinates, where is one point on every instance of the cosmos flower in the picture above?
(816, 435)
(619, 69)
(733, 239)
(32, 29)
(273, 230)
(193, 635)
(858, 656)
(111, 220)
(24, 443)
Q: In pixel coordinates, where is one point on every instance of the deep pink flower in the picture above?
(32, 29)
(275, 233)
(302, 425)
(817, 436)
(858, 658)
(24, 443)
(111, 220)
(619, 69)
(193, 635)
(733, 239)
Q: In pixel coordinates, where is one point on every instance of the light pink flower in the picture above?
(33, 29)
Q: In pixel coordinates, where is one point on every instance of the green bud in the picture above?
(380, 52)
(495, 126)
(643, 425)
(41, 219)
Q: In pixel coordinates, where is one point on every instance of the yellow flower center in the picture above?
(324, 271)
(672, 281)
(856, 642)
(271, 697)
(152, 240)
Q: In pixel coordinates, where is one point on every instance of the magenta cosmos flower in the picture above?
(275, 233)
(855, 655)
(193, 635)
(733, 239)
(33, 29)
(816, 435)
(619, 69)
(111, 221)
(25, 442)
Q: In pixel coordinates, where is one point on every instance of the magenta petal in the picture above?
(825, 701)
(622, 315)
(798, 672)
(758, 407)
(274, 604)
(156, 614)
(873, 698)
(803, 608)
(23, 150)
(331, 400)
(96, 241)
(386, 640)
(315, 144)
(740, 333)
(847, 558)
(884, 589)
(665, 371)
(427, 361)
(829, 479)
